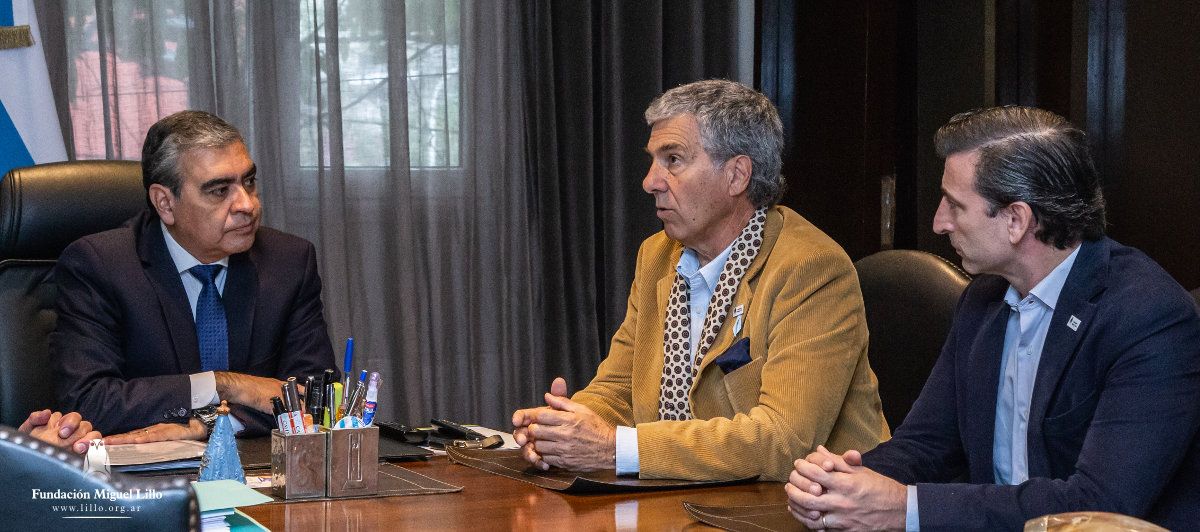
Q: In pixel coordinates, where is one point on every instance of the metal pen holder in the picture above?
(352, 464)
(298, 468)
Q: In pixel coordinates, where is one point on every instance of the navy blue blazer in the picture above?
(125, 342)
(1115, 409)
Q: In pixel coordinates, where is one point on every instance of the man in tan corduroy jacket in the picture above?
(744, 345)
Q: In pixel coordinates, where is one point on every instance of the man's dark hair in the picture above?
(168, 138)
(1035, 156)
(733, 120)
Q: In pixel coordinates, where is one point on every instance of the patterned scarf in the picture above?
(678, 368)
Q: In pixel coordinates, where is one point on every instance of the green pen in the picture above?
(337, 402)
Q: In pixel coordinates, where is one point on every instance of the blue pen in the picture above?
(349, 362)
(349, 356)
(362, 377)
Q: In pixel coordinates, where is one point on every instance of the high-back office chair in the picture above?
(34, 472)
(42, 209)
(909, 298)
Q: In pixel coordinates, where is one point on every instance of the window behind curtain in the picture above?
(141, 74)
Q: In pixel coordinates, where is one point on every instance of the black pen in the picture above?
(277, 408)
(316, 403)
(308, 394)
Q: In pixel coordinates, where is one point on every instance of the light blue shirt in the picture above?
(204, 384)
(1028, 322)
(701, 281)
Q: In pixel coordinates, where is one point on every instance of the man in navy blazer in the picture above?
(126, 352)
(1071, 377)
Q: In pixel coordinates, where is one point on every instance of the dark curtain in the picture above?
(593, 72)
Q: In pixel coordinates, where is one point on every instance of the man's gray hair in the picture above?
(168, 138)
(733, 120)
(1035, 156)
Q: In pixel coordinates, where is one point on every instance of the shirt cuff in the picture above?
(204, 389)
(912, 519)
(627, 451)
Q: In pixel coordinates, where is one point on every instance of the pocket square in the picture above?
(736, 356)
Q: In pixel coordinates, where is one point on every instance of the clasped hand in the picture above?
(828, 491)
(68, 430)
(565, 434)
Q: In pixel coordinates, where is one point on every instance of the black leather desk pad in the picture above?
(508, 463)
(255, 453)
(756, 517)
(394, 481)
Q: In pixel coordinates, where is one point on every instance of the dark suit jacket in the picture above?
(126, 340)
(1113, 420)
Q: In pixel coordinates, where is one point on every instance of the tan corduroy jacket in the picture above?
(808, 381)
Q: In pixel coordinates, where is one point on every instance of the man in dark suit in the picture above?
(1071, 377)
(190, 302)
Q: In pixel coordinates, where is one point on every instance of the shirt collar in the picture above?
(689, 264)
(1049, 288)
(183, 260)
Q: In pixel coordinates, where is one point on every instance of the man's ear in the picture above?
(164, 202)
(738, 170)
(1020, 222)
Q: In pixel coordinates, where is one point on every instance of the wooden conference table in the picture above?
(492, 502)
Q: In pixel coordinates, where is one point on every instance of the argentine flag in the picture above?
(29, 129)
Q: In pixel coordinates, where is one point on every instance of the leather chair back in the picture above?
(43, 208)
(909, 298)
(64, 489)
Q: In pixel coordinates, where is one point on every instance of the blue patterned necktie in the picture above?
(211, 330)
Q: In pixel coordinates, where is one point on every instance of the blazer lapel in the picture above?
(1074, 307)
(983, 382)
(240, 297)
(160, 269)
(663, 295)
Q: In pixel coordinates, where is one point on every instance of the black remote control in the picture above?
(399, 431)
(456, 431)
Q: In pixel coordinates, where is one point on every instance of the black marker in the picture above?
(308, 394)
(277, 408)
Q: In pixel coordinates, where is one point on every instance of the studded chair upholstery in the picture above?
(48, 489)
(43, 208)
(909, 298)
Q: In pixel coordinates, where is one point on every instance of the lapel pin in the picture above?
(1073, 323)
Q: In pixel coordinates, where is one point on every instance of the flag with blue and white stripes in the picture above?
(29, 129)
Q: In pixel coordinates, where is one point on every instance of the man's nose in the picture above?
(244, 200)
(654, 182)
(941, 219)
